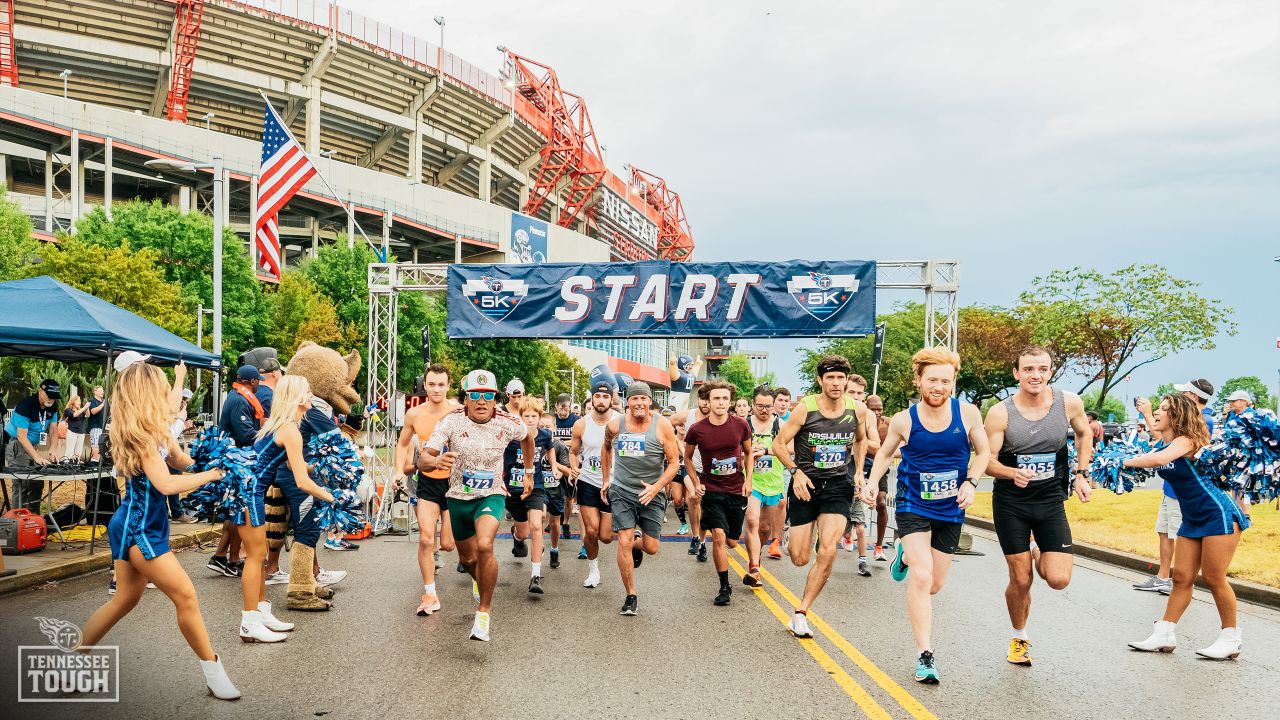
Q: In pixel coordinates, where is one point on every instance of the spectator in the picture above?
(76, 416)
(1096, 427)
(97, 414)
(1237, 403)
(242, 416)
(271, 371)
(30, 429)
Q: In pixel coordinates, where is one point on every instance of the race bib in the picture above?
(517, 475)
(477, 480)
(549, 479)
(593, 464)
(1042, 465)
(764, 463)
(724, 466)
(830, 457)
(938, 486)
(631, 445)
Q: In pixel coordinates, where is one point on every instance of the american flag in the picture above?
(285, 169)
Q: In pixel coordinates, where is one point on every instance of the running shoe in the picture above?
(564, 531)
(330, 577)
(218, 564)
(340, 544)
(850, 546)
(799, 625)
(235, 569)
(593, 579)
(430, 604)
(480, 628)
(637, 555)
(684, 529)
(151, 586)
(555, 558)
(535, 585)
(879, 554)
(1019, 652)
(111, 588)
(461, 568)
(724, 597)
(1152, 584)
(775, 549)
(519, 548)
(926, 671)
(435, 557)
(702, 552)
(1166, 589)
(475, 591)
(693, 546)
(582, 553)
(863, 570)
(752, 578)
(899, 567)
(629, 605)
(279, 577)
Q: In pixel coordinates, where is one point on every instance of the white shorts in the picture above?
(1169, 518)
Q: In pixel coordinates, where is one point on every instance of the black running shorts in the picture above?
(833, 497)
(429, 489)
(724, 511)
(944, 536)
(1017, 522)
(589, 496)
(519, 508)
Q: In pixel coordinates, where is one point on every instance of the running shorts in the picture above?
(519, 508)
(834, 497)
(725, 511)
(767, 500)
(463, 514)
(589, 496)
(944, 536)
(629, 513)
(1016, 523)
(429, 489)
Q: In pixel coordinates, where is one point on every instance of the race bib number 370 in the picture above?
(830, 457)
(939, 486)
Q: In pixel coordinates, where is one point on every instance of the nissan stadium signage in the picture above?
(615, 213)
(658, 298)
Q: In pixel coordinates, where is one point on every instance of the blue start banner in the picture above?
(657, 298)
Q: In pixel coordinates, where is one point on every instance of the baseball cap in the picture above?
(129, 357)
(1201, 388)
(479, 380)
(639, 389)
(248, 372)
(1240, 395)
(271, 364)
(515, 385)
(602, 386)
(51, 388)
(186, 393)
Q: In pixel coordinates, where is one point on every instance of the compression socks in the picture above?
(724, 578)
(681, 512)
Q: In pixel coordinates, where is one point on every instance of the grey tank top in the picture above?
(1040, 445)
(637, 457)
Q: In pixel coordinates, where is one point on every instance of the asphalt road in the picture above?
(568, 653)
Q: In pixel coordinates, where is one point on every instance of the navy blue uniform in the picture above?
(270, 457)
(238, 420)
(513, 469)
(1206, 508)
(317, 421)
(140, 520)
(929, 477)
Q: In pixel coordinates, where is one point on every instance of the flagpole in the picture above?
(316, 165)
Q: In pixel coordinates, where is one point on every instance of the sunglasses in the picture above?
(478, 395)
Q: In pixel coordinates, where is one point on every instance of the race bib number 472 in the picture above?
(473, 480)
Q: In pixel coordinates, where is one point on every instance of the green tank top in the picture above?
(767, 475)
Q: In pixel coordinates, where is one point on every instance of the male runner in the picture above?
(427, 490)
(476, 437)
(682, 421)
(944, 450)
(515, 391)
(855, 535)
(768, 486)
(552, 479)
(782, 410)
(828, 437)
(1028, 437)
(723, 479)
(586, 468)
(566, 418)
(876, 405)
(527, 511)
(638, 462)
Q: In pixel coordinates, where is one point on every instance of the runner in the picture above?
(638, 462)
(585, 468)
(1028, 437)
(515, 391)
(566, 418)
(876, 405)
(528, 510)
(723, 479)
(856, 388)
(827, 438)
(693, 501)
(476, 437)
(781, 410)
(944, 450)
(427, 490)
(558, 462)
(767, 482)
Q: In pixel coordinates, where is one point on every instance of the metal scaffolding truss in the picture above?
(939, 279)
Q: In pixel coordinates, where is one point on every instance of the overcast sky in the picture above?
(1016, 136)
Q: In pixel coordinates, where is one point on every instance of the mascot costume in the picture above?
(683, 372)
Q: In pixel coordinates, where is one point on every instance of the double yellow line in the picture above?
(842, 678)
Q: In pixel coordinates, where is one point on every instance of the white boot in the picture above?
(1162, 639)
(215, 678)
(271, 621)
(252, 630)
(1226, 647)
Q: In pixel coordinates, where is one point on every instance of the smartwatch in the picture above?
(971, 480)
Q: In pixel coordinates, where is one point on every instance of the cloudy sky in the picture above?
(1014, 136)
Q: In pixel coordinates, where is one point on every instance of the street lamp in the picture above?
(64, 75)
(440, 21)
(573, 383)
(207, 117)
(216, 167)
(201, 311)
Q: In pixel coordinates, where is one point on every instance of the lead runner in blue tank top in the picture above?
(944, 450)
(143, 452)
(1211, 527)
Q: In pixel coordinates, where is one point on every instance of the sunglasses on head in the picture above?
(516, 393)
(481, 395)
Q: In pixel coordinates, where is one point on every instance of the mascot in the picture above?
(683, 371)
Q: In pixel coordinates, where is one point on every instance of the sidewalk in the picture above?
(53, 563)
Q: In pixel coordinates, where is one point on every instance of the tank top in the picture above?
(933, 466)
(1041, 446)
(638, 458)
(589, 457)
(270, 457)
(767, 474)
(824, 446)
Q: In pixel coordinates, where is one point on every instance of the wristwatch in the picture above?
(971, 480)
(1082, 473)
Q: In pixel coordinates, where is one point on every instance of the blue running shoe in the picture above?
(899, 567)
(684, 529)
(925, 670)
(582, 553)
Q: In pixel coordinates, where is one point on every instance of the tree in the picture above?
(18, 247)
(1164, 389)
(1106, 407)
(904, 334)
(1250, 384)
(737, 372)
(298, 311)
(1114, 324)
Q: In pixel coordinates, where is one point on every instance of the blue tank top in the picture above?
(145, 517)
(270, 457)
(933, 467)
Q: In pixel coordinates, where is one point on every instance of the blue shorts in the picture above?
(767, 500)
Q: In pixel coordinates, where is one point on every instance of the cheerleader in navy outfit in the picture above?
(1211, 527)
(139, 529)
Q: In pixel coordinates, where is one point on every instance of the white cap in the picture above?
(186, 393)
(515, 385)
(129, 357)
(479, 380)
(1240, 395)
(1191, 388)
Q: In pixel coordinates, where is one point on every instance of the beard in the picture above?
(931, 401)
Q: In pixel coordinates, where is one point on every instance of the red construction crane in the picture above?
(675, 237)
(8, 62)
(187, 15)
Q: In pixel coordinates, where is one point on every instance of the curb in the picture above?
(1246, 590)
(99, 560)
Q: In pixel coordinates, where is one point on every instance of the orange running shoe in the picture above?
(775, 549)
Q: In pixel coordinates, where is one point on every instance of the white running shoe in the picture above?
(330, 577)
(1226, 647)
(1162, 639)
(279, 577)
(593, 580)
(480, 628)
(215, 678)
(799, 625)
(252, 630)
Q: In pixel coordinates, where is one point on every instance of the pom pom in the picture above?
(1244, 455)
(335, 465)
(1107, 466)
(228, 497)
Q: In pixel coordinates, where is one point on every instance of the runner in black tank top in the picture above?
(1028, 436)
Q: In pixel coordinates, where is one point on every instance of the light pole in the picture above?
(201, 311)
(440, 21)
(573, 384)
(216, 167)
(207, 117)
(64, 75)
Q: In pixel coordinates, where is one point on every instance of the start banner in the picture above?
(658, 298)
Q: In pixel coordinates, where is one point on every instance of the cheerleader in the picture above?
(139, 530)
(1210, 530)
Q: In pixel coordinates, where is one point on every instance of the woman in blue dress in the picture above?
(144, 451)
(1210, 531)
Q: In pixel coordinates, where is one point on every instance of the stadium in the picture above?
(440, 160)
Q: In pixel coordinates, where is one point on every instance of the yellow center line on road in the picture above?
(873, 671)
(825, 661)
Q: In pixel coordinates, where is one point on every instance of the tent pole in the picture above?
(97, 487)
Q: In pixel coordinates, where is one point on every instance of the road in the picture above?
(568, 654)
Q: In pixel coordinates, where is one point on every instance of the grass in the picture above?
(1127, 522)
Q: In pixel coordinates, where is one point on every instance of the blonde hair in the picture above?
(139, 417)
(291, 391)
(939, 355)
